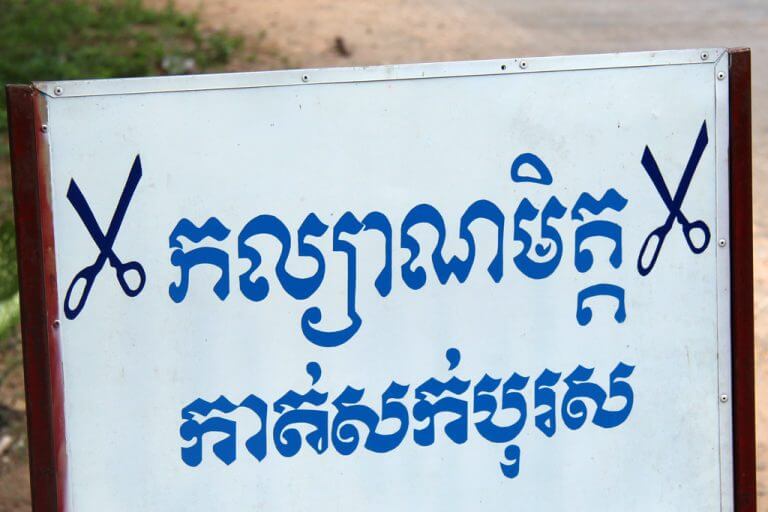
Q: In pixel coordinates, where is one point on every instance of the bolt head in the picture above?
(704, 55)
(523, 64)
(58, 91)
(44, 128)
(721, 242)
(305, 78)
(721, 75)
(723, 398)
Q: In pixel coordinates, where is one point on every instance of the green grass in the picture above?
(71, 39)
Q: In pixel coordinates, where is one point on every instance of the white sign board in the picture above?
(459, 286)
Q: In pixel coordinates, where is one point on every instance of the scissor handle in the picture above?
(89, 275)
(697, 225)
(132, 266)
(659, 234)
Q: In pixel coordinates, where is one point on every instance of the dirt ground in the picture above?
(305, 32)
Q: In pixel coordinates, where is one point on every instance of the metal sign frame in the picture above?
(37, 268)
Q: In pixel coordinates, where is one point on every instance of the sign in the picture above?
(456, 286)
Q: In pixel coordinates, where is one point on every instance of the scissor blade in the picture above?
(693, 162)
(125, 198)
(652, 169)
(80, 205)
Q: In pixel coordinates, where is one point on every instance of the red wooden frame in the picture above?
(39, 297)
(742, 313)
(39, 300)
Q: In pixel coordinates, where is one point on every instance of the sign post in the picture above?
(448, 286)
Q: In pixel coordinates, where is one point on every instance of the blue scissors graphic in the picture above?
(674, 205)
(104, 243)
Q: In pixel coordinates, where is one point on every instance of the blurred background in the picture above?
(68, 39)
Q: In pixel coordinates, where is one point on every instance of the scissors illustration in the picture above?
(674, 205)
(104, 243)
